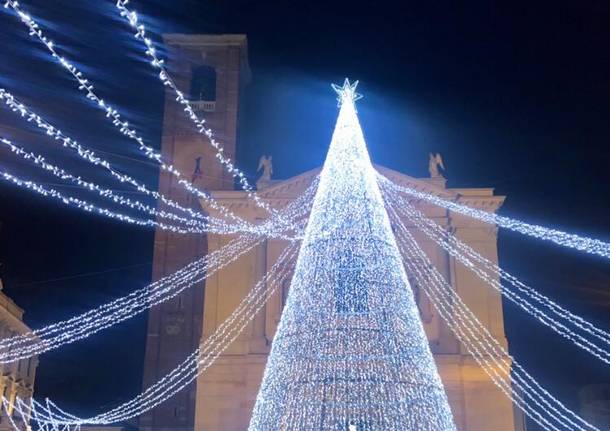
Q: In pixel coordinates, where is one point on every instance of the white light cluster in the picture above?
(125, 128)
(503, 370)
(84, 205)
(350, 342)
(269, 228)
(419, 381)
(12, 103)
(574, 328)
(350, 349)
(565, 239)
(49, 416)
(76, 328)
(131, 17)
(192, 225)
(86, 324)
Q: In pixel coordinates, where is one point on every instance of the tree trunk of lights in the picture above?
(350, 352)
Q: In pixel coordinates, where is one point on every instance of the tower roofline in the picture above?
(195, 40)
(201, 41)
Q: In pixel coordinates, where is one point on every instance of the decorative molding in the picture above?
(283, 192)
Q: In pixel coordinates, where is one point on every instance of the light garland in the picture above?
(84, 325)
(125, 128)
(270, 228)
(193, 226)
(131, 16)
(346, 289)
(211, 349)
(14, 105)
(350, 349)
(522, 289)
(561, 321)
(535, 401)
(84, 205)
(175, 381)
(81, 326)
(565, 239)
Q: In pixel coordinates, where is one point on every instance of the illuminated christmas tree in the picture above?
(350, 351)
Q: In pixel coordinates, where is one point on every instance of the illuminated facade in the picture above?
(17, 378)
(215, 68)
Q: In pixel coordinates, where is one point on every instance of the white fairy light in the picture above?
(131, 16)
(192, 225)
(561, 321)
(183, 375)
(565, 239)
(81, 204)
(347, 290)
(82, 326)
(88, 155)
(125, 128)
(84, 205)
(500, 371)
(522, 289)
(211, 349)
(350, 347)
(504, 370)
(12, 103)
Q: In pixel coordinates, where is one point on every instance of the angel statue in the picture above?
(434, 162)
(266, 165)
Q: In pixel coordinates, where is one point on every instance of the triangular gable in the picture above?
(281, 192)
(299, 183)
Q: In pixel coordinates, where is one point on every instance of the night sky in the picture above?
(514, 95)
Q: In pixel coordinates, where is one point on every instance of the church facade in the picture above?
(215, 67)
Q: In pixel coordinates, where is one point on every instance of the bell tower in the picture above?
(212, 70)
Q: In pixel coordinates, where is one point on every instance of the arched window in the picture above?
(203, 84)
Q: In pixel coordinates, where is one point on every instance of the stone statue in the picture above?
(434, 162)
(266, 165)
(197, 171)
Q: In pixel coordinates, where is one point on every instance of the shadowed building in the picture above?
(215, 67)
(17, 378)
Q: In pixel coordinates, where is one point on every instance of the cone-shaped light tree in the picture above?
(350, 351)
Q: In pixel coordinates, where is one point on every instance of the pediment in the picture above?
(281, 192)
(479, 197)
(291, 187)
(294, 186)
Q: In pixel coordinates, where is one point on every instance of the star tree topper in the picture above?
(347, 92)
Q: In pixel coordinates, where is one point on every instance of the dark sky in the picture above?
(515, 95)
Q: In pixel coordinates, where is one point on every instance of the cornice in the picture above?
(283, 192)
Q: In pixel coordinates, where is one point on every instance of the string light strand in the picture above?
(565, 239)
(561, 323)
